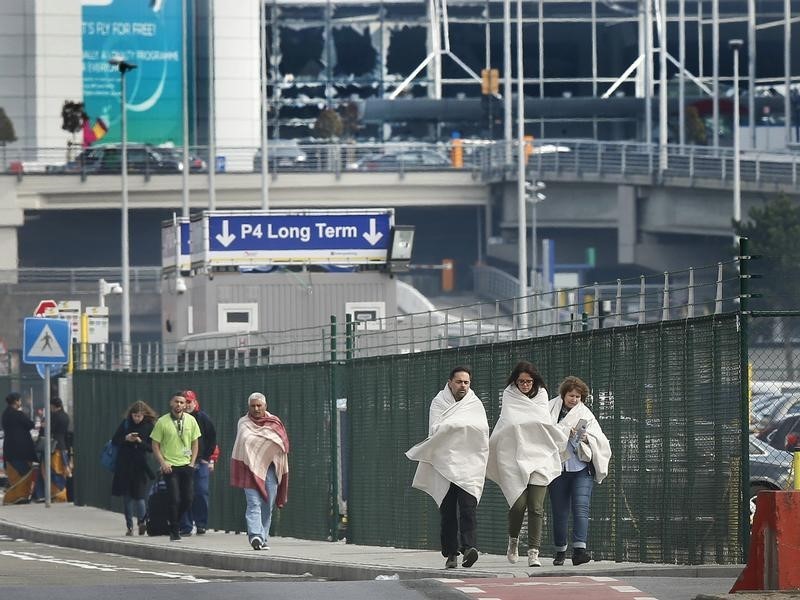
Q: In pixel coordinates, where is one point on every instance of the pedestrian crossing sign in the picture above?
(46, 341)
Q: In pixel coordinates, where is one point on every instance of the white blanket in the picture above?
(595, 448)
(526, 445)
(456, 449)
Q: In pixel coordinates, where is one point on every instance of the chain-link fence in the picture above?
(774, 374)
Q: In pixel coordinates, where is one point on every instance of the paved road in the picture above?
(34, 571)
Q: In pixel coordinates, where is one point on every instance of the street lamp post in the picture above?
(737, 173)
(534, 195)
(124, 67)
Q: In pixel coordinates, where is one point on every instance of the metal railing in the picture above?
(682, 294)
(576, 158)
(79, 280)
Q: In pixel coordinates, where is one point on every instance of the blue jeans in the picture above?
(134, 505)
(258, 513)
(571, 490)
(198, 512)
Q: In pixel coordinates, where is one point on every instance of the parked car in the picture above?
(406, 160)
(778, 434)
(196, 164)
(770, 469)
(285, 155)
(108, 160)
(768, 412)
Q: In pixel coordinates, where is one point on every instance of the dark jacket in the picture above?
(59, 428)
(208, 438)
(17, 440)
(133, 473)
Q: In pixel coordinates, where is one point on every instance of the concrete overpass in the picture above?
(637, 210)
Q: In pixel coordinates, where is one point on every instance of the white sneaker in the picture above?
(533, 558)
(512, 554)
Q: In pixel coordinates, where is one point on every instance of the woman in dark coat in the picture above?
(133, 474)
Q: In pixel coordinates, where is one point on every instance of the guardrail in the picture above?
(576, 158)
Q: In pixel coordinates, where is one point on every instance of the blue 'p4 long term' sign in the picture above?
(220, 238)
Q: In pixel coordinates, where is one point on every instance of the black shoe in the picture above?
(559, 559)
(256, 543)
(186, 533)
(142, 527)
(580, 556)
(470, 556)
(201, 530)
(451, 562)
(174, 537)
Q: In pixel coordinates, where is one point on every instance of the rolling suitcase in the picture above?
(158, 509)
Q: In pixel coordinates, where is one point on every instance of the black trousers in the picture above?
(459, 515)
(180, 488)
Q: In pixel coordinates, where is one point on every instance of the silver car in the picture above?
(770, 469)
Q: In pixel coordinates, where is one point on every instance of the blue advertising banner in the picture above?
(149, 35)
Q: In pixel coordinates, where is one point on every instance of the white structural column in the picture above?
(507, 117)
(185, 107)
(751, 70)
(787, 70)
(264, 72)
(522, 255)
(647, 27)
(663, 130)
(715, 70)
(212, 134)
(682, 73)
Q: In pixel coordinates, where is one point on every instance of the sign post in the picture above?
(46, 342)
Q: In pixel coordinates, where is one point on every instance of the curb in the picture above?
(328, 570)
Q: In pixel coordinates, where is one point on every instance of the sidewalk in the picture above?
(103, 531)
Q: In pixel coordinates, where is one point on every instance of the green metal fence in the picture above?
(298, 393)
(666, 395)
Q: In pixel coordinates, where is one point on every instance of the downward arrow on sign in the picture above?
(226, 237)
(373, 237)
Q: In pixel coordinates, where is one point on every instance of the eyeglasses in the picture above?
(524, 381)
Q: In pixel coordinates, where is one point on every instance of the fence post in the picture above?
(690, 300)
(665, 298)
(334, 493)
(642, 306)
(744, 301)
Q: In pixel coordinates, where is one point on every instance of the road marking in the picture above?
(470, 590)
(625, 588)
(597, 578)
(446, 580)
(104, 567)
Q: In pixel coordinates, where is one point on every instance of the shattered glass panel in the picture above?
(301, 51)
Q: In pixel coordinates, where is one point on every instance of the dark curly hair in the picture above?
(524, 366)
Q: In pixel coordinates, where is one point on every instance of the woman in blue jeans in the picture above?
(133, 475)
(584, 462)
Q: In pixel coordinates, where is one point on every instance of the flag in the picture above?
(99, 128)
(92, 133)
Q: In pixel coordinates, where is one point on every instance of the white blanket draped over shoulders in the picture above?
(456, 449)
(525, 446)
(596, 448)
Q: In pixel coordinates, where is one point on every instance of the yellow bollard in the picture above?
(796, 467)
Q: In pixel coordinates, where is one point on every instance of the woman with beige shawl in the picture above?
(525, 456)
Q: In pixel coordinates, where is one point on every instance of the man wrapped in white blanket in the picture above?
(452, 464)
(525, 455)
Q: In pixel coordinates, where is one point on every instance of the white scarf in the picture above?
(525, 446)
(596, 448)
(456, 449)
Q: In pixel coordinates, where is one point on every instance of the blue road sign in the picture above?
(45, 341)
(252, 237)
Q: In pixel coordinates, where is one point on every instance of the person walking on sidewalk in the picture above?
(197, 515)
(525, 456)
(19, 453)
(587, 457)
(175, 446)
(452, 464)
(260, 466)
(132, 474)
